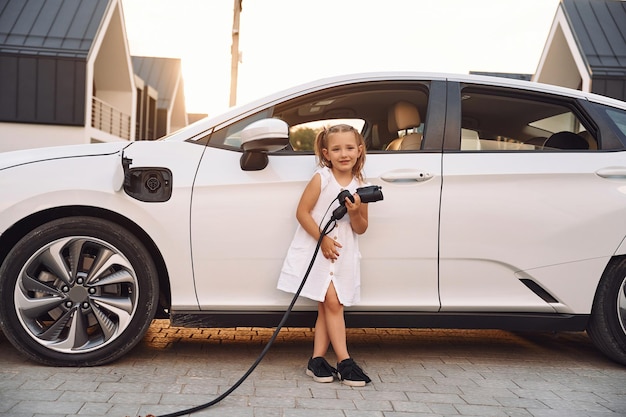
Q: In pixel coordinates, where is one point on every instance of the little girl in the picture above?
(334, 280)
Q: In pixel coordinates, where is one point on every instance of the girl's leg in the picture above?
(335, 323)
(331, 311)
(318, 367)
(320, 338)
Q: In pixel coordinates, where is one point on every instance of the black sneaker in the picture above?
(351, 374)
(320, 370)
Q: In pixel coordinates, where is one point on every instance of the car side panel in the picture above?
(95, 181)
(237, 263)
(547, 217)
(241, 225)
(400, 248)
(168, 223)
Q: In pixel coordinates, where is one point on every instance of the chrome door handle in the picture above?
(406, 175)
(612, 172)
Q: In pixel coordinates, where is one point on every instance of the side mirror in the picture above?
(259, 138)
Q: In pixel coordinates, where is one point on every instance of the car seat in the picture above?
(404, 116)
(566, 140)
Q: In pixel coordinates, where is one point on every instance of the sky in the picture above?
(284, 43)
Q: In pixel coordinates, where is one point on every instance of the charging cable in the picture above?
(367, 194)
(327, 229)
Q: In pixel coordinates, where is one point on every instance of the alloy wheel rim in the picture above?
(76, 294)
(621, 305)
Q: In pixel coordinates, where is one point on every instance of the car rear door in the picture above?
(527, 224)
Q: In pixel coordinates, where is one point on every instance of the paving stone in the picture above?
(95, 409)
(415, 372)
(47, 407)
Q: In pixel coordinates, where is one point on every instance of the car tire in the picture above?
(78, 291)
(607, 324)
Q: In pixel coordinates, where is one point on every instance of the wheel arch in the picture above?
(13, 234)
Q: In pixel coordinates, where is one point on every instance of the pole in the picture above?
(234, 53)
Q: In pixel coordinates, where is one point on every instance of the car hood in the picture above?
(28, 156)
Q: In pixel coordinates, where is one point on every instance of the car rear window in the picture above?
(514, 120)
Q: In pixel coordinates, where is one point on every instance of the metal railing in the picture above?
(109, 119)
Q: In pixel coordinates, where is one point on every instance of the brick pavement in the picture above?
(414, 372)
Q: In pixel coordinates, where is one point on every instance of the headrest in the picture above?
(566, 140)
(403, 115)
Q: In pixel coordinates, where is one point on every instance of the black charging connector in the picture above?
(368, 194)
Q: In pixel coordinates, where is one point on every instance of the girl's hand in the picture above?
(330, 248)
(353, 207)
(357, 212)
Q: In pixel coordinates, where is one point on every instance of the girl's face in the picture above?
(343, 151)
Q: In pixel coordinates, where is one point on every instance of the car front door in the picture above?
(242, 222)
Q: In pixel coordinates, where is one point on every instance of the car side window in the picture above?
(501, 121)
(367, 107)
(390, 116)
(229, 136)
(618, 118)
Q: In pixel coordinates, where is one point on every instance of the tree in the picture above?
(302, 139)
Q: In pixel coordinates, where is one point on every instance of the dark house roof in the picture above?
(599, 27)
(44, 46)
(162, 74)
(515, 76)
(63, 28)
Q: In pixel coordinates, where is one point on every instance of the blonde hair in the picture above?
(321, 142)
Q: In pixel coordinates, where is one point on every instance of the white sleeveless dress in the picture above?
(345, 272)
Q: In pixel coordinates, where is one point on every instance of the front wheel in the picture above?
(77, 291)
(607, 325)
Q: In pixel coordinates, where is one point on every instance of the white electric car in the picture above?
(504, 207)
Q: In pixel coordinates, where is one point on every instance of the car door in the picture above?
(527, 223)
(242, 222)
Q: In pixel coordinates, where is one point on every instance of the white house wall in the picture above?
(177, 111)
(561, 62)
(109, 68)
(16, 136)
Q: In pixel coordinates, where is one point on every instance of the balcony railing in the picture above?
(109, 119)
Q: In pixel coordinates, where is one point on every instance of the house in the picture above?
(67, 77)
(165, 75)
(586, 48)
